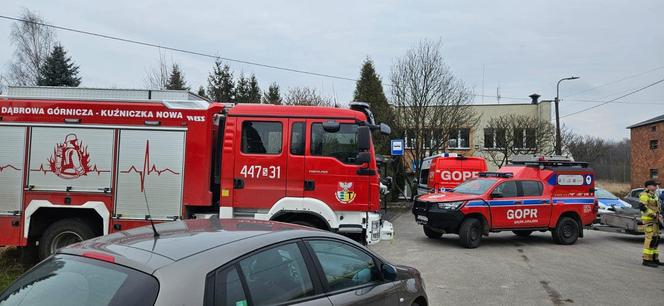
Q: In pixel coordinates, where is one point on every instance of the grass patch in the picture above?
(10, 266)
(620, 189)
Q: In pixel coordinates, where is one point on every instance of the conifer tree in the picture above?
(272, 95)
(221, 87)
(176, 79)
(58, 70)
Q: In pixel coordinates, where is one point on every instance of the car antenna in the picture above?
(149, 215)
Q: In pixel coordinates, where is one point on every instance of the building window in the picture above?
(654, 174)
(653, 128)
(409, 139)
(489, 142)
(494, 138)
(525, 138)
(654, 144)
(459, 139)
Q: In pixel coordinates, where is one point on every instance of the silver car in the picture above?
(217, 262)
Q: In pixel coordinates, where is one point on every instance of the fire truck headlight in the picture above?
(450, 205)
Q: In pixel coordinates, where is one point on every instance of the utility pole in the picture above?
(557, 100)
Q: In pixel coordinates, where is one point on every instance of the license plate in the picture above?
(422, 218)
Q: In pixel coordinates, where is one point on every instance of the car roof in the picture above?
(140, 249)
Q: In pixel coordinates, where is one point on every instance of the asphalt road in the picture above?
(600, 269)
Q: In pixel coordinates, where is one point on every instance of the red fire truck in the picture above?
(78, 162)
(530, 194)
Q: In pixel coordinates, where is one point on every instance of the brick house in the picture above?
(647, 162)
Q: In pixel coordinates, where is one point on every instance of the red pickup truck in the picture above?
(529, 194)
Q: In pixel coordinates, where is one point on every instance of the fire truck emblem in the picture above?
(70, 159)
(345, 194)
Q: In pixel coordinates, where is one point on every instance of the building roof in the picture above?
(647, 122)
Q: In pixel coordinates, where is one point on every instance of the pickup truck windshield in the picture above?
(476, 186)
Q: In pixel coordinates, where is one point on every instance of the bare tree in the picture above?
(33, 43)
(512, 134)
(429, 101)
(157, 77)
(306, 96)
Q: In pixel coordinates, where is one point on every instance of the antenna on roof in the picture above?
(149, 215)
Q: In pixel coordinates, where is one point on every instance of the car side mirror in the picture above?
(496, 194)
(364, 138)
(385, 129)
(331, 126)
(389, 272)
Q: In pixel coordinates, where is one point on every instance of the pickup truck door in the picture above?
(539, 206)
(503, 207)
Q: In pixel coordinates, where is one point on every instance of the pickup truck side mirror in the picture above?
(496, 194)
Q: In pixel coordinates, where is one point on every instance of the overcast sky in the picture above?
(523, 47)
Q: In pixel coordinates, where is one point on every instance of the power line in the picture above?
(142, 43)
(577, 100)
(615, 99)
(616, 81)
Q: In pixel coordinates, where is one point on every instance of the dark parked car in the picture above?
(217, 262)
(633, 197)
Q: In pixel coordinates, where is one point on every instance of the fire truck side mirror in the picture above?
(496, 195)
(331, 126)
(385, 129)
(363, 158)
(364, 139)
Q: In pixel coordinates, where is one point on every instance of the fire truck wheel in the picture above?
(566, 232)
(522, 233)
(470, 233)
(431, 233)
(63, 233)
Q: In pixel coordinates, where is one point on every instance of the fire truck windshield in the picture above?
(341, 145)
(475, 186)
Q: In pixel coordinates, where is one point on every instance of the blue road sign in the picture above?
(397, 147)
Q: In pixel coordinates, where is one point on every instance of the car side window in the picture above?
(228, 290)
(531, 188)
(276, 275)
(508, 189)
(297, 138)
(344, 266)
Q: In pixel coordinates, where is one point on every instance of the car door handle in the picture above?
(309, 185)
(238, 183)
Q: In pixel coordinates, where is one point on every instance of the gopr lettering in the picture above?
(521, 213)
(457, 175)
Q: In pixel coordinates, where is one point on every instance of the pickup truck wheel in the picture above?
(470, 233)
(63, 233)
(431, 233)
(566, 231)
(522, 233)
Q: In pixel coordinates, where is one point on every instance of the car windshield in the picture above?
(73, 280)
(475, 186)
(603, 194)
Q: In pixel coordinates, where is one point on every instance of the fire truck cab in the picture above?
(529, 194)
(79, 162)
